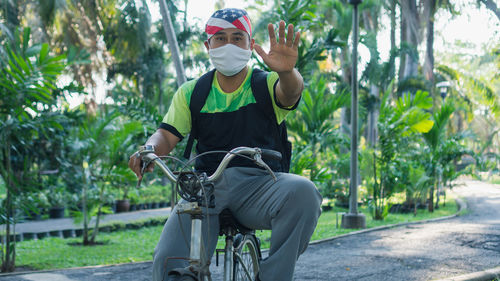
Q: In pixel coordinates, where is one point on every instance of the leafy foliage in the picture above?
(314, 132)
(398, 123)
(27, 83)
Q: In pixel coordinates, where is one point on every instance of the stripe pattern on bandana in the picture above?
(228, 18)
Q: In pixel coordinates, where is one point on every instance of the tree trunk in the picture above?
(371, 25)
(393, 24)
(85, 211)
(98, 217)
(172, 42)
(429, 57)
(8, 261)
(410, 13)
(430, 206)
(492, 6)
(372, 132)
(402, 36)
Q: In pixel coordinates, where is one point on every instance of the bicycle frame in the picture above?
(197, 257)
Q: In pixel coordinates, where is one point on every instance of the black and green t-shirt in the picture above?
(179, 115)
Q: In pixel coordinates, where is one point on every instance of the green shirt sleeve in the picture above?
(281, 113)
(178, 114)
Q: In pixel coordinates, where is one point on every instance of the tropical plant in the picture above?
(27, 86)
(101, 147)
(304, 15)
(398, 123)
(313, 129)
(57, 196)
(434, 139)
(442, 150)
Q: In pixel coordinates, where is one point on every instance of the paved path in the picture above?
(414, 252)
(51, 225)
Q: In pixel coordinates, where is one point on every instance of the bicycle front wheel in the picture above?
(246, 259)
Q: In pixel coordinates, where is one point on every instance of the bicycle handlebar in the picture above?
(271, 154)
(147, 153)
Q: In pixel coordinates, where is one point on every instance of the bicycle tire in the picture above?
(246, 259)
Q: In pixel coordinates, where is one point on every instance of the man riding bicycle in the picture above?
(236, 113)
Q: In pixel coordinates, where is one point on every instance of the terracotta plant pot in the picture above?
(122, 206)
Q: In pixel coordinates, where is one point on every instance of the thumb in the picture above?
(260, 51)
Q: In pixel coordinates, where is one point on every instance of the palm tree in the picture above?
(28, 89)
(397, 122)
(314, 128)
(492, 6)
(435, 139)
(172, 42)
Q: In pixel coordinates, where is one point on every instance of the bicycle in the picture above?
(242, 248)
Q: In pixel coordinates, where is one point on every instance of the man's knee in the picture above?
(304, 194)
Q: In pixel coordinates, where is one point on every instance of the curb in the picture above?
(72, 230)
(106, 227)
(485, 275)
(70, 268)
(461, 206)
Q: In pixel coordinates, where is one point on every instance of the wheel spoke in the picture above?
(246, 263)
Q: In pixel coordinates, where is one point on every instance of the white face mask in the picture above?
(229, 59)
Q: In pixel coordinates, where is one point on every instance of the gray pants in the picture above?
(290, 207)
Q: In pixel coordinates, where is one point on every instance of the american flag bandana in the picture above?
(228, 18)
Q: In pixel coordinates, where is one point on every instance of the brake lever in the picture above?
(143, 169)
(258, 160)
(139, 181)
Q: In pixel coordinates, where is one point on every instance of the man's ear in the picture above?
(252, 42)
(206, 45)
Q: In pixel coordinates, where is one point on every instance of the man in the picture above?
(232, 117)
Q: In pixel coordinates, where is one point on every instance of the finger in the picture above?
(135, 166)
(296, 41)
(272, 36)
(260, 51)
(150, 168)
(289, 36)
(281, 33)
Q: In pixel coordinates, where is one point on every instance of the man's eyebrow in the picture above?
(221, 32)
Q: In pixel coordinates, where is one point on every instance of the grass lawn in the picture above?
(138, 245)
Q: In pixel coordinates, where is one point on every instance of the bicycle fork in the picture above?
(195, 252)
(197, 258)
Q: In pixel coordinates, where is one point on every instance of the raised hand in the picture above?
(283, 53)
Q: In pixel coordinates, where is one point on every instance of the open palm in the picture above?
(283, 52)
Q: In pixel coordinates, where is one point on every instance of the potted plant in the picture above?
(133, 197)
(57, 200)
(165, 196)
(122, 205)
(156, 195)
(340, 193)
(34, 204)
(121, 179)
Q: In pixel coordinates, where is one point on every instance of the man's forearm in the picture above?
(163, 142)
(291, 85)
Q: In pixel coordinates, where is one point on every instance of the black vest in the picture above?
(253, 125)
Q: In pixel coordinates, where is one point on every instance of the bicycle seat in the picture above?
(227, 222)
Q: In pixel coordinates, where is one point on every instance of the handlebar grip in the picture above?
(271, 154)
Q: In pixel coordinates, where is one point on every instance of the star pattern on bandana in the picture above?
(228, 18)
